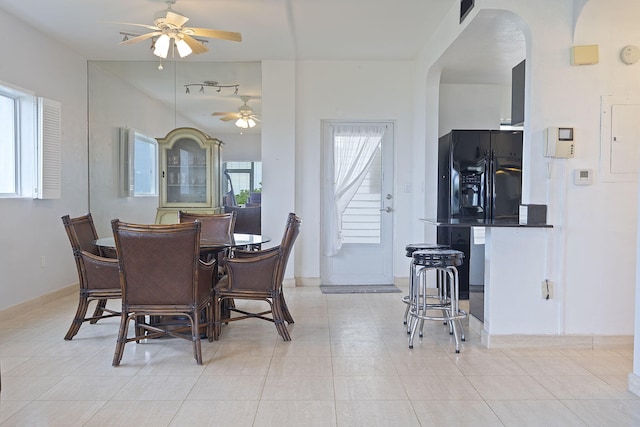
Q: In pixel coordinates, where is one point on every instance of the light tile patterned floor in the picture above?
(348, 365)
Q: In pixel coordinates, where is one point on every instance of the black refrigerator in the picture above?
(479, 182)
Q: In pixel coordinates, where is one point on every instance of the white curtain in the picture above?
(354, 148)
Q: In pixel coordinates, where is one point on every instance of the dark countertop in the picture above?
(456, 222)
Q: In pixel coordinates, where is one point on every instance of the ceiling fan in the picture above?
(168, 25)
(244, 117)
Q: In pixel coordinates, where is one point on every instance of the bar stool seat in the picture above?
(446, 304)
(410, 249)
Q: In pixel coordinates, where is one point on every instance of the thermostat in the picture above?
(583, 177)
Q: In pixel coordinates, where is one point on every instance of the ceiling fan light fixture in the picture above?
(170, 25)
(244, 118)
(245, 123)
(161, 48)
(183, 48)
(242, 123)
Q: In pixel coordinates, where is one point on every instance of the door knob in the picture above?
(387, 209)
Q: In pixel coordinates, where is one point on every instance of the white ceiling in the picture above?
(271, 29)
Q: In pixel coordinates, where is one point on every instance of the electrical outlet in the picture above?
(43, 262)
(547, 289)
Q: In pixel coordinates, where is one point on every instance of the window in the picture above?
(30, 136)
(361, 218)
(139, 164)
(243, 178)
(8, 145)
(145, 166)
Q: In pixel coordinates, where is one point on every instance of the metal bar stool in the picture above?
(444, 261)
(407, 299)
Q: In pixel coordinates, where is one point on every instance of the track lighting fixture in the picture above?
(126, 36)
(211, 83)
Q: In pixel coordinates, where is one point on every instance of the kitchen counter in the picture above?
(496, 276)
(455, 222)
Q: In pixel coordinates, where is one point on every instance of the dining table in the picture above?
(209, 249)
(237, 240)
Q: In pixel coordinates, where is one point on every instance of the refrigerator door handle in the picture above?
(491, 184)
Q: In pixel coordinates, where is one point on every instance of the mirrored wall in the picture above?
(137, 97)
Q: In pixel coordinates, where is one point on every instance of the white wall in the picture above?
(601, 219)
(590, 252)
(241, 148)
(280, 170)
(30, 228)
(472, 106)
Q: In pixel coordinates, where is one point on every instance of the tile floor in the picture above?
(348, 365)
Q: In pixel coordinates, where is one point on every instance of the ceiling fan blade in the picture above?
(194, 44)
(228, 118)
(142, 37)
(221, 113)
(175, 19)
(150, 27)
(214, 34)
(256, 119)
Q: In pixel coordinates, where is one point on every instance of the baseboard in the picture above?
(557, 341)
(475, 325)
(633, 383)
(401, 282)
(10, 312)
(307, 281)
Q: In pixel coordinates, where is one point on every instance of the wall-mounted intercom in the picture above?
(559, 142)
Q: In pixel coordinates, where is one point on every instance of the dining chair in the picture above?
(162, 276)
(258, 275)
(248, 219)
(215, 227)
(98, 276)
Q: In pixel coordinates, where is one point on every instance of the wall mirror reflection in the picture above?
(138, 164)
(137, 95)
(243, 184)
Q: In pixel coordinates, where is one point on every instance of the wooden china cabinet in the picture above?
(190, 174)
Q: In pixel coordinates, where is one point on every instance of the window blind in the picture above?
(49, 149)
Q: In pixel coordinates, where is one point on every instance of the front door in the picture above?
(357, 202)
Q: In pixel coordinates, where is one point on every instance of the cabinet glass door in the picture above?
(187, 177)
